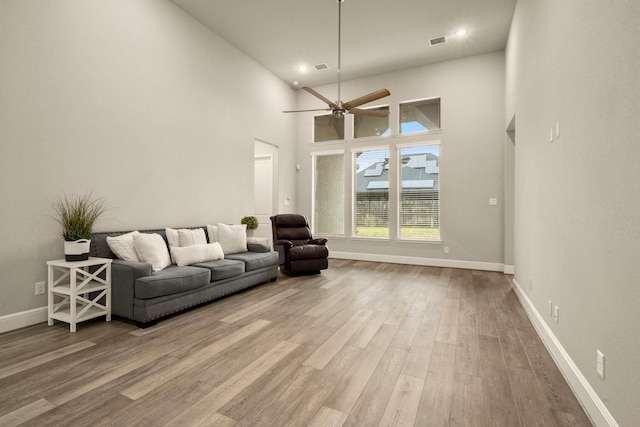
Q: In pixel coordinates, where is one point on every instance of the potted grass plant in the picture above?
(251, 222)
(77, 216)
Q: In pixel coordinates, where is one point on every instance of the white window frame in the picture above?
(353, 191)
(329, 141)
(415, 101)
(372, 137)
(399, 147)
(314, 157)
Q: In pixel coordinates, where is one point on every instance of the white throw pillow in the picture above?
(212, 231)
(152, 249)
(123, 247)
(172, 237)
(192, 237)
(187, 255)
(184, 237)
(232, 238)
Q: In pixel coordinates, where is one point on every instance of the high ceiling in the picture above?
(377, 35)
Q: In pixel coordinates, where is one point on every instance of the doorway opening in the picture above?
(265, 186)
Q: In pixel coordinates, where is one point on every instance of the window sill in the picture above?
(427, 241)
(370, 239)
(419, 134)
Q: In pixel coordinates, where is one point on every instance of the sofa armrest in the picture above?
(123, 279)
(255, 244)
(321, 241)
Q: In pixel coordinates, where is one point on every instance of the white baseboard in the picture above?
(592, 404)
(22, 319)
(429, 262)
(509, 269)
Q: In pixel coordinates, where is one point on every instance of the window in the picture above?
(364, 126)
(371, 198)
(327, 128)
(328, 193)
(419, 193)
(420, 116)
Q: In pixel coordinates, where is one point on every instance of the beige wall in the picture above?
(472, 154)
(577, 203)
(135, 101)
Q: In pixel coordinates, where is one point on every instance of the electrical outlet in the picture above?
(600, 363)
(446, 249)
(40, 288)
(556, 313)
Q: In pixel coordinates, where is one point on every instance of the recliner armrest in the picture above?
(321, 241)
(286, 243)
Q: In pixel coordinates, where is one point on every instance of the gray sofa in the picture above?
(144, 296)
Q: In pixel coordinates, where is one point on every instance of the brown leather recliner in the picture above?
(299, 252)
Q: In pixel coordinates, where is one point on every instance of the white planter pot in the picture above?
(77, 250)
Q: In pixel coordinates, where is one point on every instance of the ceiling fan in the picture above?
(339, 109)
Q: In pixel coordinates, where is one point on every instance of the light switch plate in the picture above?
(600, 363)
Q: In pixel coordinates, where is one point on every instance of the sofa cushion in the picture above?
(223, 268)
(308, 252)
(171, 280)
(256, 260)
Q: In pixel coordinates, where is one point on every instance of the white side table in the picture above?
(69, 288)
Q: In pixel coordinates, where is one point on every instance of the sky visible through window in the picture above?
(408, 127)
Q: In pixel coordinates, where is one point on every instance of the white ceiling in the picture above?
(377, 35)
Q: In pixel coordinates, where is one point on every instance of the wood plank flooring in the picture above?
(362, 344)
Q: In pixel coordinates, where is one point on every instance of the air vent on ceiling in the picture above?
(437, 40)
(320, 67)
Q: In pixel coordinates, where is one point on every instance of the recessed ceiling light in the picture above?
(295, 83)
(461, 32)
(302, 68)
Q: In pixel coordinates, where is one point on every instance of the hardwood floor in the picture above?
(362, 344)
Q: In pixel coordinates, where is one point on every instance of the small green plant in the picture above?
(77, 215)
(251, 221)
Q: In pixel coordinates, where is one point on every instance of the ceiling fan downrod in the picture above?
(340, 109)
(339, 45)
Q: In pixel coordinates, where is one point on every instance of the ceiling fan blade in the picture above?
(304, 111)
(374, 113)
(367, 98)
(317, 95)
